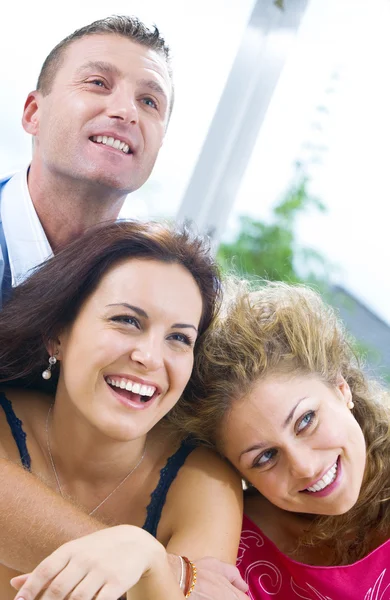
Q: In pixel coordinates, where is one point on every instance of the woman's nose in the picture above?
(148, 354)
(302, 463)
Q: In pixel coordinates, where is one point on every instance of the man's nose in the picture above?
(122, 105)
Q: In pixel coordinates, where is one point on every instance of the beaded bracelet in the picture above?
(191, 577)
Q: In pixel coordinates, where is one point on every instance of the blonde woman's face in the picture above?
(298, 443)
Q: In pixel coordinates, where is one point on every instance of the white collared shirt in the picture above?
(25, 238)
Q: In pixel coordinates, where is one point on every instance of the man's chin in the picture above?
(106, 183)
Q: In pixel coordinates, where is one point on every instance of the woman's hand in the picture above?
(102, 566)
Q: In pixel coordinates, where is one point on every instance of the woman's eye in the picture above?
(182, 338)
(127, 320)
(265, 458)
(306, 421)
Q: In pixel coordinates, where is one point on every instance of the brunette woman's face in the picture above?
(298, 443)
(129, 354)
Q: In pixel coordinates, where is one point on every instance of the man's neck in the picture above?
(67, 207)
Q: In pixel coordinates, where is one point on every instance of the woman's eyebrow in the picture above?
(259, 446)
(140, 311)
(291, 414)
(184, 326)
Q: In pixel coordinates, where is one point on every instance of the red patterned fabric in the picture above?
(272, 575)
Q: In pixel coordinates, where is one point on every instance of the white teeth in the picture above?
(326, 480)
(130, 386)
(110, 141)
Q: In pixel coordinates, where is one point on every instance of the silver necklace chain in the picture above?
(56, 474)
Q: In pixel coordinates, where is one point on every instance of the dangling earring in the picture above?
(350, 405)
(47, 372)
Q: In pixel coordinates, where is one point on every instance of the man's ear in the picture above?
(30, 119)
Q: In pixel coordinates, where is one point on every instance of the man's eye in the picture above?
(150, 102)
(98, 82)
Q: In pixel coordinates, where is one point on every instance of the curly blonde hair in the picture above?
(288, 329)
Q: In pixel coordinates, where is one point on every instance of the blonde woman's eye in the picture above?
(305, 421)
(265, 458)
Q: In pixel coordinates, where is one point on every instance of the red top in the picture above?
(270, 574)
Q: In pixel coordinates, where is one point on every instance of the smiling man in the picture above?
(98, 119)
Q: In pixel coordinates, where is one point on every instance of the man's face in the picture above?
(105, 116)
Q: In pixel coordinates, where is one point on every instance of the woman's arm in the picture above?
(105, 564)
(157, 584)
(204, 508)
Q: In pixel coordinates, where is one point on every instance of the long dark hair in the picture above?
(50, 299)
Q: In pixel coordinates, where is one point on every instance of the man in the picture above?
(98, 119)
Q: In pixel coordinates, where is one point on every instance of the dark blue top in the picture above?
(157, 498)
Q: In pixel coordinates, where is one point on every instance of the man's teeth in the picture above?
(110, 141)
(327, 479)
(130, 386)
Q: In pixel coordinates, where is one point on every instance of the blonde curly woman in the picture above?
(279, 392)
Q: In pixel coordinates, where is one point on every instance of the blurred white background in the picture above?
(330, 110)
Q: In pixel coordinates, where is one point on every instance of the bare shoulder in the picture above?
(206, 465)
(202, 466)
